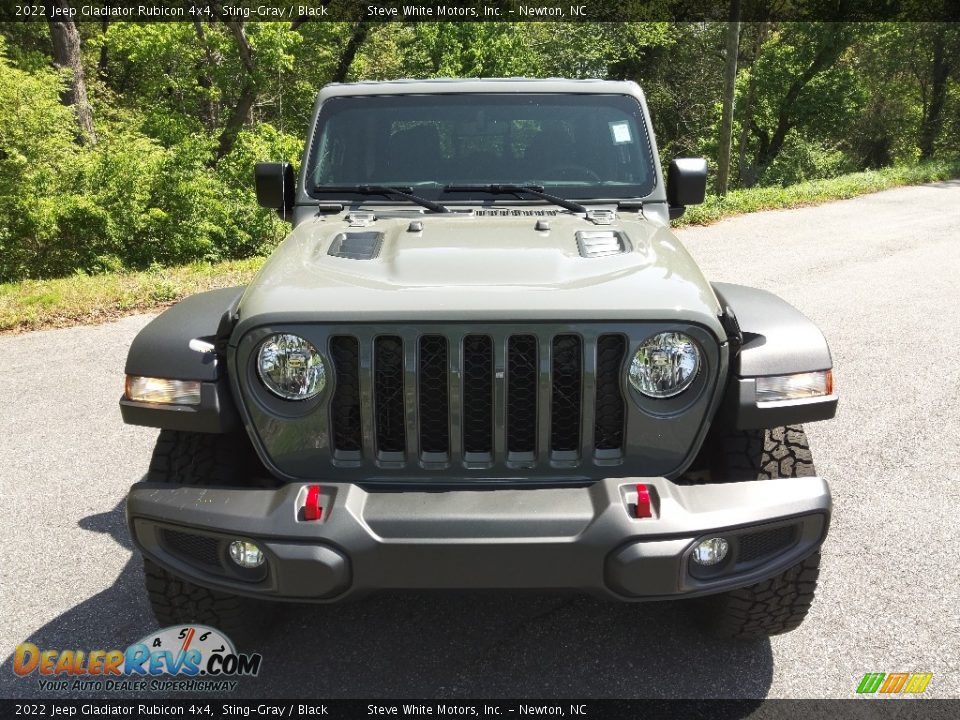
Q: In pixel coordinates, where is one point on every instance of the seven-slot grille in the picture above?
(476, 398)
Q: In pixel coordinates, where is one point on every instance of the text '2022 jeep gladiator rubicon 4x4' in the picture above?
(481, 359)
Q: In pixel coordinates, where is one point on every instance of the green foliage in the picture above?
(803, 159)
(127, 202)
(817, 191)
(184, 110)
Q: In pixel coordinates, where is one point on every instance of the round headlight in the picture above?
(291, 368)
(665, 364)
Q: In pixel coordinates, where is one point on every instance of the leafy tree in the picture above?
(155, 164)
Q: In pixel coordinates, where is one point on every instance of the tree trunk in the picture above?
(938, 91)
(103, 65)
(248, 92)
(238, 118)
(745, 170)
(770, 145)
(360, 32)
(729, 91)
(66, 55)
(208, 107)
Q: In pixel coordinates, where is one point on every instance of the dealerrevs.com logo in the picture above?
(178, 658)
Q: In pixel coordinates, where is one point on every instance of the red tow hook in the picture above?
(312, 509)
(643, 502)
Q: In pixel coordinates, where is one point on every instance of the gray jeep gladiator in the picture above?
(481, 359)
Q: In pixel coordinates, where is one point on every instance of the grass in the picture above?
(83, 299)
(815, 192)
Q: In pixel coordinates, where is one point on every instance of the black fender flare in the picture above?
(163, 349)
(775, 339)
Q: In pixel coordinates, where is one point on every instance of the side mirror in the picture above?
(275, 185)
(686, 184)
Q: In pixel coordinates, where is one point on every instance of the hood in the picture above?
(486, 265)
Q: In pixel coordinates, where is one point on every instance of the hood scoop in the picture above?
(356, 245)
(602, 243)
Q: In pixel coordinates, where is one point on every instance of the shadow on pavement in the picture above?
(441, 645)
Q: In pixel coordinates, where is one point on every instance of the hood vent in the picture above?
(356, 245)
(516, 213)
(601, 243)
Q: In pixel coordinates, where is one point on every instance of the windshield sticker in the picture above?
(620, 131)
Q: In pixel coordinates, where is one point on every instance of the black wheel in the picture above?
(780, 604)
(202, 459)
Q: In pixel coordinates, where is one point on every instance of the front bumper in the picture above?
(583, 538)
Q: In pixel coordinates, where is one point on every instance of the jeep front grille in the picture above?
(608, 423)
(477, 399)
(388, 412)
(434, 400)
(522, 395)
(345, 352)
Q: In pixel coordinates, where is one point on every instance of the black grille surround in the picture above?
(490, 402)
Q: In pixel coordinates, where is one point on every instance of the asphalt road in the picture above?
(880, 276)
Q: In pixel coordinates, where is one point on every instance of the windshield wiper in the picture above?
(535, 190)
(386, 191)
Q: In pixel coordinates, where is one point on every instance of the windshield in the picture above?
(574, 146)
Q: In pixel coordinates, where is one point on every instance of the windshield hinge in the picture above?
(601, 217)
(630, 205)
(361, 219)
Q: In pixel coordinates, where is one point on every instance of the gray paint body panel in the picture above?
(574, 538)
(479, 268)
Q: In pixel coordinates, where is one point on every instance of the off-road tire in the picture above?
(176, 601)
(782, 452)
(742, 455)
(780, 604)
(203, 459)
(771, 607)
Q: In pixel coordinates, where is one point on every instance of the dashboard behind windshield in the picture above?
(574, 145)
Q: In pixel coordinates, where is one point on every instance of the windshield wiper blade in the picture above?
(385, 190)
(535, 190)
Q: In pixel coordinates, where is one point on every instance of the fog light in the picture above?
(710, 551)
(246, 554)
